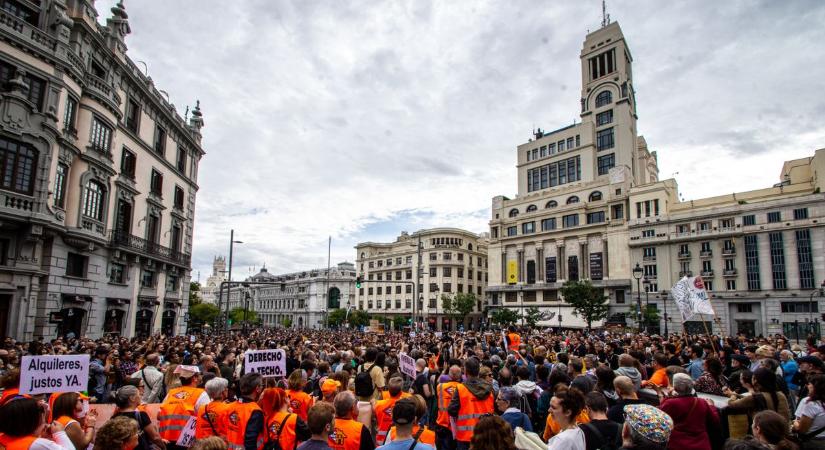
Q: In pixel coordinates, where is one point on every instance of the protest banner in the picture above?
(268, 363)
(406, 365)
(412, 334)
(54, 373)
(187, 435)
(437, 334)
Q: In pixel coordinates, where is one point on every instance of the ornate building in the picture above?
(100, 177)
(209, 291)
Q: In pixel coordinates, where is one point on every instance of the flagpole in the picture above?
(710, 336)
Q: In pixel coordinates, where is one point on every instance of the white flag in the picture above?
(691, 298)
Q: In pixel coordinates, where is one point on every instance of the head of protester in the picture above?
(119, 433)
(492, 433)
(646, 428)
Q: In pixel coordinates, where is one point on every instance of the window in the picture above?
(650, 270)
(389, 276)
(704, 226)
(101, 137)
(175, 239)
(76, 265)
(178, 197)
(448, 287)
(803, 253)
(705, 248)
(70, 114)
(684, 250)
(461, 255)
(649, 253)
(778, 261)
(160, 140)
(554, 174)
(433, 272)
(156, 183)
(398, 289)
(433, 287)
(460, 272)
(172, 283)
(595, 196)
(147, 279)
(604, 118)
(60, 185)
(447, 271)
(561, 146)
(730, 285)
(552, 148)
(800, 213)
(571, 220)
(548, 224)
(117, 273)
(408, 260)
(618, 211)
(800, 307)
(730, 264)
(21, 11)
(569, 143)
(602, 64)
(543, 151)
(595, 217)
(682, 229)
(648, 233)
(707, 266)
(370, 292)
(379, 290)
(605, 163)
(528, 227)
(408, 289)
(181, 161)
(604, 139)
(620, 296)
(774, 217)
(447, 256)
(551, 204)
(744, 308)
(708, 285)
(749, 220)
(513, 212)
(128, 162)
(572, 199)
(132, 115)
(604, 98)
(512, 231)
(93, 201)
(578, 140)
(380, 276)
(408, 275)
(433, 256)
(531, 208)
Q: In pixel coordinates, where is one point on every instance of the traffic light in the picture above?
(358, 281)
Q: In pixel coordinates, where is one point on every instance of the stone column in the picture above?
(584, 260)
(539, 262)
(605, 260)
(561, 264)
(521, 265)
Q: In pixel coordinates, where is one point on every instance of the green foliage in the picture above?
(588, 302)
(532, 316)
(203, 313)
(336, 317)
(287, 322)
(459, 305)
(358, 318)
(503, 316)
(650, 315)
(237, 316)
(194, 294)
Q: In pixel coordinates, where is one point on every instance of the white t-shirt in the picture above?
(815, 411)
(61, 442)
(570, 439)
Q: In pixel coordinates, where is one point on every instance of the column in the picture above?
(521, 265)
(561, 264)
(503, 266)
(539, 262)
(605, 260)
(584, 259)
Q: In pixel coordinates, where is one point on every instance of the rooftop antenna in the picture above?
(605, 15)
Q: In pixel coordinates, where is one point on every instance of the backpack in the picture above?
(603, 442)
(363, 382)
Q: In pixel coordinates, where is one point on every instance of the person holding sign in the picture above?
(283, 426)
(23, 422)
(181, 403)
(244, 418)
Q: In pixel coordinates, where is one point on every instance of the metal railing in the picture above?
(123, 239)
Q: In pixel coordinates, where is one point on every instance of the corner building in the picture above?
(568, 219)
(100, 172)
(451, 261)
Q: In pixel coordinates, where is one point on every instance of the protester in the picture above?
(68, 409)
(299, 401)
(646, 428)
(152, 380)
(119, 433)
(771, 429)
(23, 425)
(283, 426)
(319, 420)
(426, 436)
(627, 396)
(348, 434)
(210, 443)
(695, 420)
(492, 433)
(507, 404)
(810, 414)
(405, 438)
(600, 432)
(211, 419)
(127, 399)
(565, 407)
(471, 400)
(764, 396)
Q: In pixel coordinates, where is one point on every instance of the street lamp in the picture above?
(637, 274)
(232, 242)
(821, 292)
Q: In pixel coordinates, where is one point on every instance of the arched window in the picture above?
(513, 212)
(595, 196)
(551, 204)
(604, 98)
(469, 246)
(363, 255)
(572, 199)
(531, 208)
(93, 203)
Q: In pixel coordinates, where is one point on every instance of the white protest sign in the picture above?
(54, 373)
(192, 338)
(438, 334)
(406, 365)
(268, 363)
(187, 435)
(412, 334)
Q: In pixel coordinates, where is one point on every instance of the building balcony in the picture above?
(103, 92)
(729, 251)
(729, 273)
(128, 242)
(25, 31)
(684, 255)
(706, 253)
(685, 274)
(649, 258)
(707, 273)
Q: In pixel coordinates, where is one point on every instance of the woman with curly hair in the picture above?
(120, 433)
(565, 406)
(492, 433)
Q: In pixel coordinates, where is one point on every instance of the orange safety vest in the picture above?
(16, 443)
(427, 436)
(300, 402)
(514, 341)
(471, 409)
(176, 410)
(236, 417)
(346, 435)
(383, 416)
(385, 395)
(210, 421)
(285, 436)
(445, 396)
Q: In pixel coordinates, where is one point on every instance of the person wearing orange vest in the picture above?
(444, 395)
(513, 340)
(22, 422)
(299, 400)
(400, 412)
(383, 408)
(210, 420)
(348, 434)
(68, 409)
(181, 403)
(472, 399)
(283, 426)
(245, 427)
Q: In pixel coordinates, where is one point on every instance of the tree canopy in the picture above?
(503, 316)
(588, 302)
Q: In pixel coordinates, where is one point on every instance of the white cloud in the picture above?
(334, 118)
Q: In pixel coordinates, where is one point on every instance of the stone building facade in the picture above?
(100, 178)
(451, 261)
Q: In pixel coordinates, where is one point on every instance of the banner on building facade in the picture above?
(550, 269)
(596, 266)
(268, 363)
(512, 272)
(54, 373)
(573, 268)
(691, 298)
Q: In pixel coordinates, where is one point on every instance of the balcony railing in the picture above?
(131, 242)
(729, 272)
(684, 255)
(707, 273)
(706, 253)
(729, 251)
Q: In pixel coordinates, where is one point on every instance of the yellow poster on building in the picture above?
(512, 272)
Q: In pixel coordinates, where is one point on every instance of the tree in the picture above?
(336, 317)
(203, 313)
(358, 318)
(459, 305)
(287, 322)
(237, 316)
(194, 294)
(588, 302)
(503, 316)
(532, 316)
(650, 316)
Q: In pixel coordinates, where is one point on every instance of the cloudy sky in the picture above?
(360, 119)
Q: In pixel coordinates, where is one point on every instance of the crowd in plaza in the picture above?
(345, 390)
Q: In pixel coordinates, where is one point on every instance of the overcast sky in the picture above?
(358, 120)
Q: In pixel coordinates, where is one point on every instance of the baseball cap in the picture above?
(403, 412)
(330, 386)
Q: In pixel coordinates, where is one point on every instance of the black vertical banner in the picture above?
(550, 269)
(573, 268)
(596, 271)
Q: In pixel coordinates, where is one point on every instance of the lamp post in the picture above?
(821, 292)
(559, 317)
(232, 243)
(637, 274)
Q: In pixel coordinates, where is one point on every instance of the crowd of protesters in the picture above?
(345, 390)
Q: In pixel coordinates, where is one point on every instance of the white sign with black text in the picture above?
(269, 363)
(54, 373)
(406, 365)
(187, 435)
